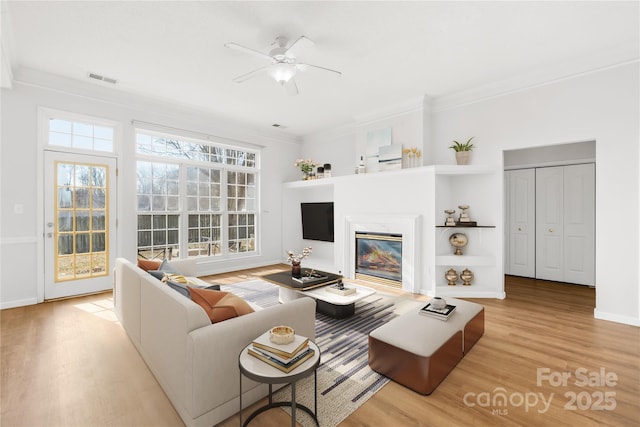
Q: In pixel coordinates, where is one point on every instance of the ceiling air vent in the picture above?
(102, 78)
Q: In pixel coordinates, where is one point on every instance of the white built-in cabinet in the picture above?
(551, 223)
(468, 185)
(423, 191)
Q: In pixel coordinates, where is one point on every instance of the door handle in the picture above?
(551, 230)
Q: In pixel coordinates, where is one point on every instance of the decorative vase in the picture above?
(451, 277)
(462, 157)
(438, 303)
(305, 175)
(296, 270)
(466, 276)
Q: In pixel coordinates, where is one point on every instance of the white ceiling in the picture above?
(388, 52)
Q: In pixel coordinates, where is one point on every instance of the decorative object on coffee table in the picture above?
(451, 277)
(295, 260)
(458, 241)
(466, 276)
(438, 303)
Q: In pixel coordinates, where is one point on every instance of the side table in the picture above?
(260, 371)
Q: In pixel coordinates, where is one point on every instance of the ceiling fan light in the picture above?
(282, 73)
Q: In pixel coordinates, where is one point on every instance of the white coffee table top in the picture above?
(324, 295)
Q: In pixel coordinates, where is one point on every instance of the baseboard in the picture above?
(18, 303)
(612, 317)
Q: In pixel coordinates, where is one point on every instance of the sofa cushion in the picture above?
(219, 305)
(149, 264)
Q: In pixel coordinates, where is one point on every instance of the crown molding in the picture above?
(411, 105)
(616, 57)
(100, 92)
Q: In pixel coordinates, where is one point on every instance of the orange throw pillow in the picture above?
(149, 264)
(219, 305)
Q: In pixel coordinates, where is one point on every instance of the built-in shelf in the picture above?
(465, 260)
(465, 227)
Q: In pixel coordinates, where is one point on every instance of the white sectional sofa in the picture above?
(196, 362)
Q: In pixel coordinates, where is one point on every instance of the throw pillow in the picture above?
(219, 305)
(182, 289)
(157, 274)
(167, 267)
(149, 264)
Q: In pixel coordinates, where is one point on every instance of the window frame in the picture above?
(223, 167)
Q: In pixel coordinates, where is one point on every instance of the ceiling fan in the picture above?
(283, 64)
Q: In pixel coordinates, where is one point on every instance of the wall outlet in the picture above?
(18, 208)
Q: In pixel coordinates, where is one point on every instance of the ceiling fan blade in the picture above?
(240, 48)
(291, 87)
(247, 76)
(300, 43)
(305, 67)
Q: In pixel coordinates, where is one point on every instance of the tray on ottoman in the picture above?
(419, 351)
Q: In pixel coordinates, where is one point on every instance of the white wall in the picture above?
(601, 106)
(21, 277)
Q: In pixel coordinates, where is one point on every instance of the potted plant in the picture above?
(463, 151)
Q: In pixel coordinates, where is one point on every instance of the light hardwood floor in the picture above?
(69, 363)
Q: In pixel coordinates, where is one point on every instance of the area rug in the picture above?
(345, 380)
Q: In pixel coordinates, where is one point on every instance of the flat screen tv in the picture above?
(317, 221)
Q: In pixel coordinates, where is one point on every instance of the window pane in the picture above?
(183, 185)
(58, 125)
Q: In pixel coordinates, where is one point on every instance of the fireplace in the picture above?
(379, 258)
(403, 226)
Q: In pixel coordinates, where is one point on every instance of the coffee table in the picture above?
(329, 303)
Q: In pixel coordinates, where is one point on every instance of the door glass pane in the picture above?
(82, 221)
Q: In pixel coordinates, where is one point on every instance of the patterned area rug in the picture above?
(345, 380)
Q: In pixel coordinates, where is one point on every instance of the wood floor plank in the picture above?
(69, 363)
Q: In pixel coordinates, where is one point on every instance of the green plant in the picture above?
(467, 146)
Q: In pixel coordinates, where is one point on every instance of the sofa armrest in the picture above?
(212, 351)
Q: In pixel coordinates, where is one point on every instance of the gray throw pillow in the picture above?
(168, 268)
(157, 274)
(182, 288)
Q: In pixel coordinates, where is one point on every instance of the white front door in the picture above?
(79, 201)
(522, 226)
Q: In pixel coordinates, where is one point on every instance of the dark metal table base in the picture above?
(294, 406)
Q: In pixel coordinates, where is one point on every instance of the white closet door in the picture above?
(522, 244)
(579, 224)
(549, 223)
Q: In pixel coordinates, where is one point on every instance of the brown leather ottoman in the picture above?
(418, 351)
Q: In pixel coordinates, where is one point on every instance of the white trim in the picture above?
(186, 133)
(43, 115)
(22, 240)
(613, 317)
(18, 303)
(409, 106)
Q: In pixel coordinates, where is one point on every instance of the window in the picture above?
(195, 198)
(74, 134)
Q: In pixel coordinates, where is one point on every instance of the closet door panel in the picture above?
(522, 222)
(549, 223)
(579, 214)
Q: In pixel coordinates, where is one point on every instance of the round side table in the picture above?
(257, 370)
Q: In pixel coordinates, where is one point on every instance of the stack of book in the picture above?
(438, 313)
(285, 357)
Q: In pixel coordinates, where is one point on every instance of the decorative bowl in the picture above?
(282, 335)
(438, 303)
